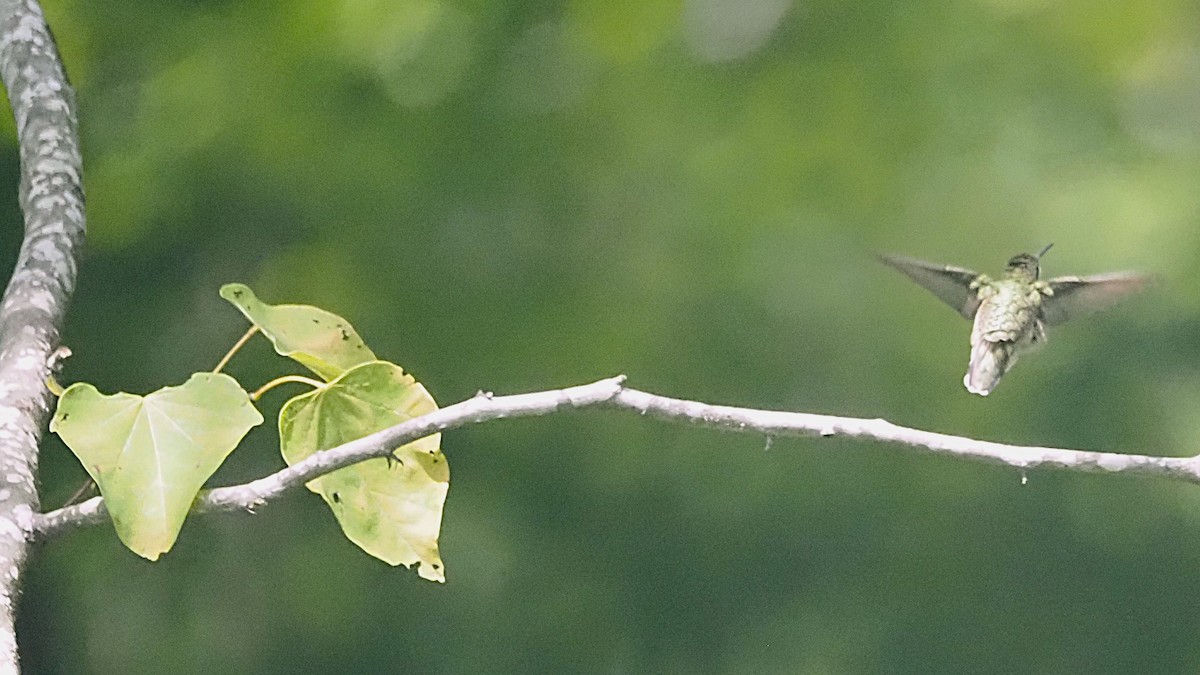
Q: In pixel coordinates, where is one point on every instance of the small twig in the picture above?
(234, 349)
(612, 393)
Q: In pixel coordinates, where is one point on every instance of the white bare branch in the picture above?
(612, 393)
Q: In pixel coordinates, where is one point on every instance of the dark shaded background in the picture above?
(513, 196)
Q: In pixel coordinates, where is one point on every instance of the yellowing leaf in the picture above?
(323, 342)
(391, 508)
(150, 455)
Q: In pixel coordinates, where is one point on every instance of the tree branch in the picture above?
(612, 393)
(34, 303)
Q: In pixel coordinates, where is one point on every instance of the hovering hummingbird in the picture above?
(1011, 313)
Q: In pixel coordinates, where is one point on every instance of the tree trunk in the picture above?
(34, 304)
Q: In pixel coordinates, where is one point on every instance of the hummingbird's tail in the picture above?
(989, 361)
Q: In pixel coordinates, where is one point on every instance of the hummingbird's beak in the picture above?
(1043, 251)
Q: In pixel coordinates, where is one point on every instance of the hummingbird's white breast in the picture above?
(1008, 312)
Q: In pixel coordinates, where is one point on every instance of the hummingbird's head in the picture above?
(1023, 267)
(1026, 266)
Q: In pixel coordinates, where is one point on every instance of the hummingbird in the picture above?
(1010, 314)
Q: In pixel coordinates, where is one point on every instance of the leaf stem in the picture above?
(258, 393)
(234, 349)
(87, 485)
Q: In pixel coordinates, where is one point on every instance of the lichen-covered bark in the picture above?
(34, 303)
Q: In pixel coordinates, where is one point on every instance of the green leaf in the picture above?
(150, 455)
(323, 342)
(392, 508)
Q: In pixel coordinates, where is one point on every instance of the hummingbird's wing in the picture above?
(1077, 296)
(952, 285)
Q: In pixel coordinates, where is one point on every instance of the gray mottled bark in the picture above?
(34, 303)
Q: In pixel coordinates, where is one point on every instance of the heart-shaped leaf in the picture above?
(150, 455)
(391, 508)
(323, 342)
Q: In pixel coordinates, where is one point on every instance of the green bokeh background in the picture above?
(513, 196)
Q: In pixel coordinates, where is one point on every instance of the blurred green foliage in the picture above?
(513, 196)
